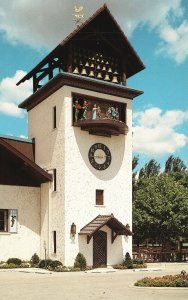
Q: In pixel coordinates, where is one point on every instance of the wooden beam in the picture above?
(88, 238)
(50, 70)
(35, 83)
(70, 60)
(113, 236)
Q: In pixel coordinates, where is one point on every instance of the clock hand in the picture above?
(100, 156)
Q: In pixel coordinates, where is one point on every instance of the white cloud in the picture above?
(11, 95)
(175, 42)
(23, 136)
(154, 131)
(40, 25)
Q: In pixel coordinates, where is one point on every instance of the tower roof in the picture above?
(100, 30)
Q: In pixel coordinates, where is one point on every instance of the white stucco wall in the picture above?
(66, 149)
(26, 241)
(49, 154)
(82, 180)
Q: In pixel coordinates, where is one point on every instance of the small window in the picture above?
(3, 220)
(99, 197)
(54, 241)
(8, 220)
(54, 117)
(54, 180)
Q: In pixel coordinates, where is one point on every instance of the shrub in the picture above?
(15, 261)
(138, 261)
(136, 266)
(128, 261)
(52, 264)
(120, 267)
(55, 263)
(62, 269)
(25, 265)
(80, 262)
(8, 266)
(165, 281)
(44, 263)
(34, 259)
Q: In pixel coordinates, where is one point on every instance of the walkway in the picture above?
(85, 286)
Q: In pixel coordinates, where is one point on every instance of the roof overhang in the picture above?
(35, 174)
(96, 224)
(74, 80)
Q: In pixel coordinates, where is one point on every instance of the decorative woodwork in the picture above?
(98, 116)
(82, 82)
(98, 46)
(99, 249)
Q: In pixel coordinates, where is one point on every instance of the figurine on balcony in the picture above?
(77, 108)
(85, 108)
(94, 112)
(117, 114)
(108, 113)
(113, 112)
(99, 113)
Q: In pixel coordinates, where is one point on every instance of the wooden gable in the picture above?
(98, 42)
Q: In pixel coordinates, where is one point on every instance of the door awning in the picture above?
(116, 226)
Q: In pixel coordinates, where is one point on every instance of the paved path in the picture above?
(15, 285)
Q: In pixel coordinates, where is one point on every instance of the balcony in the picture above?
(103, 127)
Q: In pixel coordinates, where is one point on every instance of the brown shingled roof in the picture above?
(135, 60)
(21, 166)
(102, 220)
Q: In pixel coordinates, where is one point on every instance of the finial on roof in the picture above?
(78, 14)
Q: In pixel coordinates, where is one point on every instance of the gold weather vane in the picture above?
(78, 14)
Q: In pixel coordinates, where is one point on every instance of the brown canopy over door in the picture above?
(100, 249)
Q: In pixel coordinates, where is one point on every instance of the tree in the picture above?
(135, 162)
(174, 164)
(150, 169)
(160, 209)
(134, 165)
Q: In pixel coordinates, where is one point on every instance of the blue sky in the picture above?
(158, 30)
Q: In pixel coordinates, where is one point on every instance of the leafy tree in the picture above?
(160, 209)
(181, 177)
(174, 164)
(135, 162)
(150, 169)
(134, 165)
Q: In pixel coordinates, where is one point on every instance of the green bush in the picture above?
(49, 263)
(44, 263)
(25, 265)
(120, 267)
(15, 261)
(165, 281)
(80, 262)
(128, 261)
(8, 266)
(138, 261)
(136, 266)
(55, 263)
(34, 259)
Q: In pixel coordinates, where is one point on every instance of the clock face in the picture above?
(99, 156)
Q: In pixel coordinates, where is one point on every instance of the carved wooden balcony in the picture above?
(103, 127)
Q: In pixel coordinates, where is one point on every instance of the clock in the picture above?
(99, 156)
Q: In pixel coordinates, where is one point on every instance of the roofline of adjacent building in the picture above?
(26, 160)
(15, 138)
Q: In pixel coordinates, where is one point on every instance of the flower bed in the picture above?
(180, 280)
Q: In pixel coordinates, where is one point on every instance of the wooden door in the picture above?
(100, 249)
